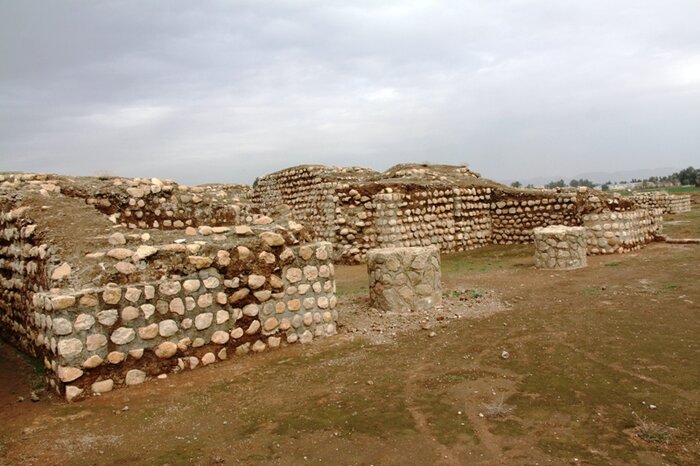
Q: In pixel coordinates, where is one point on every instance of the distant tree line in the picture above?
(687, 176)
(559, 184)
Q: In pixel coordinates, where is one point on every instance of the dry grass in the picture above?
(651, 431)
(497, 408)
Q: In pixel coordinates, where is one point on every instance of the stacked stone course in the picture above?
(174, 277)
(668, 203)
(516, 215)
(127, 304)
(23, 271)
(192, 318)
(404, 279)
(560, 247)
(418, 205)
(144, 203)
(450, 218)
(619, 232)
(308, 192)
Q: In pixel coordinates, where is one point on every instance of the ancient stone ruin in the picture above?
(404, 279)
(615, 232)
(560, 247)
(667, 203)
(451, 207)
(110, 281)
(106, 303)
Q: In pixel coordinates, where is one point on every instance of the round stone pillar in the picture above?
(403, 279)
(560, 247)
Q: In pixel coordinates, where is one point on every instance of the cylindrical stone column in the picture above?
(402, 279)
(560, 247)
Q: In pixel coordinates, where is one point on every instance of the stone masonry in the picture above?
(110, 281)
(412, 205)
(668, 203)
(619, 232)
(402, 279)
(105, 305)
(560, 247)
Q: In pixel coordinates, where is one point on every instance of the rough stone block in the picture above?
(406, 278)
(560, 247)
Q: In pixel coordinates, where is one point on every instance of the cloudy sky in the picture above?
(224, 91)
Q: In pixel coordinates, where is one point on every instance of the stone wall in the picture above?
(404, 279)
(106, 277)
(358, 209)
(516, 214)
(668, 203)
(311, 192)
(23, 272)
(680, 203)
(105, 305)
(454, 219)
(560, 247)
(414, 205)
(619, 232)
(144, 203)
(96, 337)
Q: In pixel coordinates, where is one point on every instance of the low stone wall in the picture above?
(24, 270)
(358, 209)
(312, 193)
(454, 219)
(144, 203)
(407, 206)
(680, 203)
(105, 306)
(560, 247)
(98, 338)
(402, 279)
(516, 215)
(619, 232)
(668, 203)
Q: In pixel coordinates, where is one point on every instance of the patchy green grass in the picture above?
(464, 294)
(352, 279)
(685, 225)
(38, 371)
(488, 258)
(591, 291)
(444, 419)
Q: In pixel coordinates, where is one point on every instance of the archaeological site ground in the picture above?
(423, 315)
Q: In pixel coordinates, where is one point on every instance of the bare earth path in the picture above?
(590, 353)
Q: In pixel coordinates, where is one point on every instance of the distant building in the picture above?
(625, 185)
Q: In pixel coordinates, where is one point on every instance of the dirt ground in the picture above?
(518, 366)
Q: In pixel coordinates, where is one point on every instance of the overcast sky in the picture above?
(224, 91)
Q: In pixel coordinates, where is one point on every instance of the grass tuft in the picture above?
(613, 264)
(651, 431)
(497, 408)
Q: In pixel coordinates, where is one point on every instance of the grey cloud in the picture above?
(227, 91)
